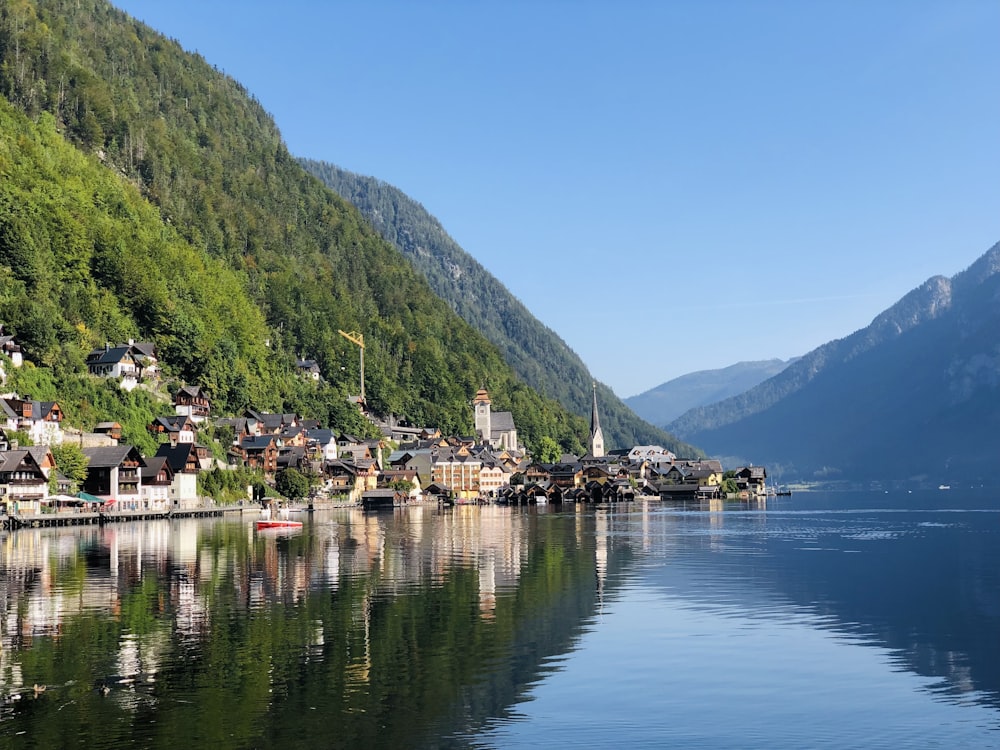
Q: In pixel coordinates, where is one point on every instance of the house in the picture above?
(401, 477)
(493, 475)
(341, 479)
(381, 499)
(186, 461)
(112, 429)
(599, 473)
(536, 473)
(752, 480)
(157, 480)
(259, 452)
(24, 479)
(459, 470)
(176, 428)
(185, 457)
(322, 444)
(115, 362)
(307, 368)
(656, 455)
(10, 347)
(292, 457)
(566, 476)
(145, 356)
(114, 474)
(41, 420)
(191, 401)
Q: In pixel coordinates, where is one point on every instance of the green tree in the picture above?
(71, 463)
(292, 483)
(547, 451)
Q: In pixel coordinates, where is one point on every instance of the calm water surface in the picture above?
(833, 620)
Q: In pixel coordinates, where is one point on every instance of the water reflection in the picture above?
(450, 628)
(394, 628)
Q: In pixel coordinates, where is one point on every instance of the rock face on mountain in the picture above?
(915, 395)
(668, 401)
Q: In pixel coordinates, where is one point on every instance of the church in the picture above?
(494, 428)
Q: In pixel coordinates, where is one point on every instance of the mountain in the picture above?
(666, 402)
(534, 351)
(915, 395)
(183, 219)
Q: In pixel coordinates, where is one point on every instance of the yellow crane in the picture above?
(357, 338)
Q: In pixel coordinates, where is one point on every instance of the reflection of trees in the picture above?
(365, 631)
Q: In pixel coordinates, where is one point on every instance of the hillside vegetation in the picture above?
(536, 353)
(184, 220)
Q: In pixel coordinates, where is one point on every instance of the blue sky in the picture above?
(670, 186)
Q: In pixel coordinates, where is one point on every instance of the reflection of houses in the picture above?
(114, 474)
(191, 401)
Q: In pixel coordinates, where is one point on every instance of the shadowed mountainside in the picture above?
(915, 395)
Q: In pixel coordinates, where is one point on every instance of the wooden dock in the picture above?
(44, 520)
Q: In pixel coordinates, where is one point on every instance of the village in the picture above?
(405, 465)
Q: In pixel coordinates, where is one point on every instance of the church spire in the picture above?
(596, 436)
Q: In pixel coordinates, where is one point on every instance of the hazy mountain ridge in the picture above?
(668, 401)
(532, 349)
(913, 394)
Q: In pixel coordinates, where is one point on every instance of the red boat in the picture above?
(276, 524)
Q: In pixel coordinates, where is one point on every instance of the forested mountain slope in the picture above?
(915, 395)
(535, 352)
(667, 401)
(238, 219)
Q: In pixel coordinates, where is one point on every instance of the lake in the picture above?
(827, 620)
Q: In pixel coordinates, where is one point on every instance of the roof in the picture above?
(501, 421)
(178, 455)
(323, 437)
(109, 356)
(154, 466)
(109, 456)
(257, 442)
(10, 460)
(145, 348)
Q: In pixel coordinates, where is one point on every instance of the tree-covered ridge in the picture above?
(536, 353)
(295, 259)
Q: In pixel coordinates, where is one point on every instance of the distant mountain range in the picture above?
(535, 352)
(915, 395)
(666, 402)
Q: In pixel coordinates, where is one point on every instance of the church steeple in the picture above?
(596, 436)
